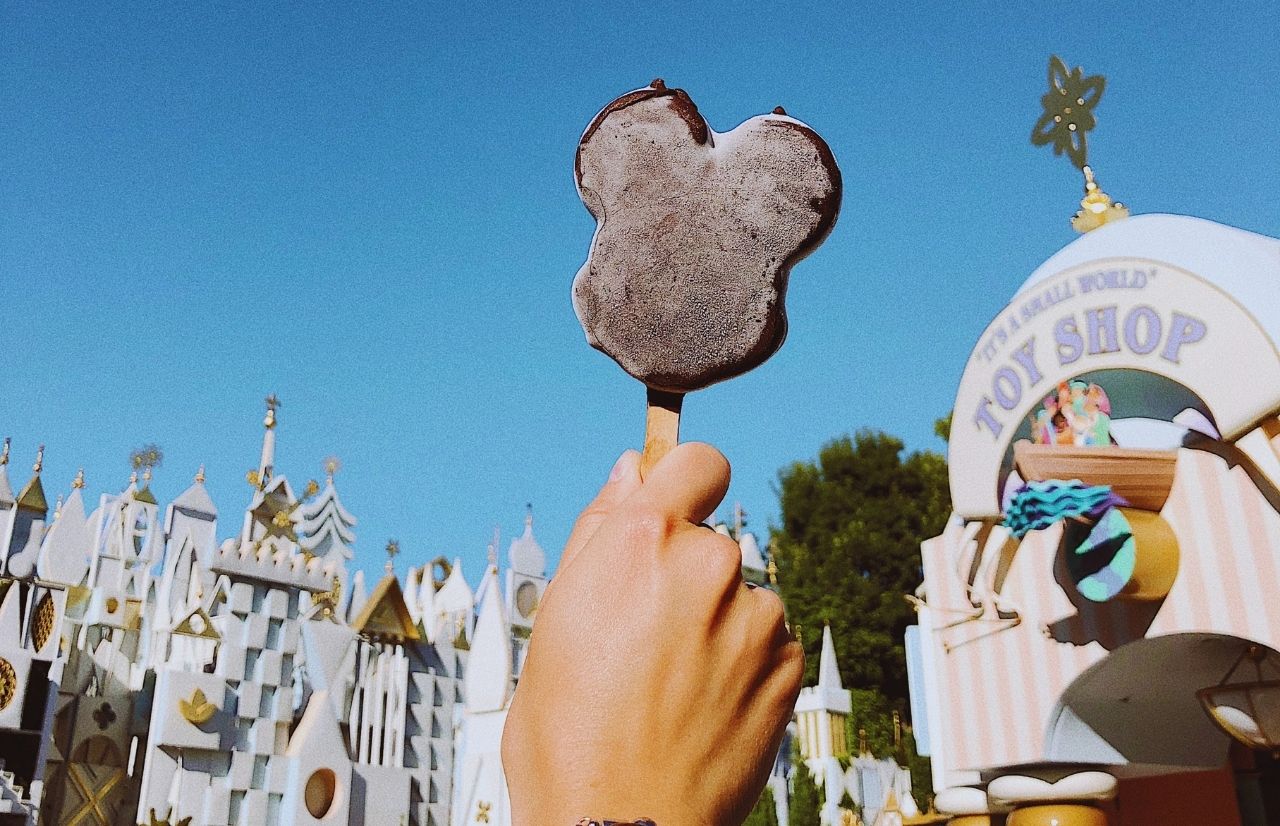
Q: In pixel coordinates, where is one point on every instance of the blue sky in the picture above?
(370, 211)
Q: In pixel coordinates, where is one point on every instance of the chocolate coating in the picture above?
(696, 234)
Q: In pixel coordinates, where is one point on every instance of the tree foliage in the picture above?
(805, 805)
(765, 812)
(848, 550)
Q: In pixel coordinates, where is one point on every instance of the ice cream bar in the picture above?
(696, 233)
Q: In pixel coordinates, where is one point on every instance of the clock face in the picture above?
(527, 599)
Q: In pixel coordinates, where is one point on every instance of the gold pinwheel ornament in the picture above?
(1068, 111)
(1065, 123)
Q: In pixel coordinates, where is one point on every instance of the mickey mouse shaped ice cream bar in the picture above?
(696, 233)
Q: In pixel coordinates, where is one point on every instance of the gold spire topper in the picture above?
(4, 454)
(78, 482)
(39, 465)
(1065, 123)
(1096, 207)
(332, 464)
(200, 475)
(393, 550)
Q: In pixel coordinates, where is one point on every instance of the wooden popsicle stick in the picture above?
(661, 427)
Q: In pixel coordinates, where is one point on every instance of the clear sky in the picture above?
(369, 210)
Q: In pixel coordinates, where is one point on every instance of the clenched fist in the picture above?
(657, 683)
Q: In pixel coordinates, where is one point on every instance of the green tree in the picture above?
(805, 805)
(765, 812)
(848, 550)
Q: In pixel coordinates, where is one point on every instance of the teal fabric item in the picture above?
(1103, 563)
(1037, 505)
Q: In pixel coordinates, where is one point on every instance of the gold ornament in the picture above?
(8, 683)
(1068, 111)
(198, 710)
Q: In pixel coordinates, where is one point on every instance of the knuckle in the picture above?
(723, 560)
(647, 525)
(791, 666)
(773, 615)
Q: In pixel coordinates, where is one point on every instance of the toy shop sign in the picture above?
(1117, 313)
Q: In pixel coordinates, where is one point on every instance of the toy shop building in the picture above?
(1099, 621)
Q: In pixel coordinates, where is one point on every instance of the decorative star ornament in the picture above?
(1068, 111)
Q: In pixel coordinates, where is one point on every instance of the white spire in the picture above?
(525, 554)
(455, 595)
(752, 559)
(64, 553)
(411, 594)
(487, 683)
(425, 599)
(358, 596)
(828, 671)
(267, 464)
(6, 492)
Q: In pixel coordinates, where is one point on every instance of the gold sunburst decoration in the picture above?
(42, 627)
(8, 683)
(198, 710)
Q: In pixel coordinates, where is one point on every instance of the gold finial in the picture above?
(200, 475)
(312, 488)
(273, 404)
(133, 478)
(1096, 207)
(897, 730)
(800, 633)
(862, 742)
(772, 570)
(330, 598)
(146, 476)
(39, 465)
(78, 482)
(57, 508)
(393, 549)
(254, 478)
(1065, 123)
(332, 464)
(4, 454)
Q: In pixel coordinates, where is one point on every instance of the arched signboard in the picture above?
(1115, 313)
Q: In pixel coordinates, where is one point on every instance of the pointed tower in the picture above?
(325, 528)
(454, 605)
(193, 514)
(64, 554)
(482, 791)
(527, 576)
(32, 510)
(8, 505)
(821, 712)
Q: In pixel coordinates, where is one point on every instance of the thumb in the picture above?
(623, 480)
